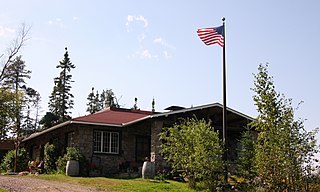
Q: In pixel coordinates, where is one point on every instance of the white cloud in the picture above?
(57, 22)
(6, 31)
(143, 54)
(75, 18)
(140, 18)
(146, 54)
(167, 55)
(129, 19)
(144, 20)
(141, 37)
(159, 40)
(163, 42)
(168, 48)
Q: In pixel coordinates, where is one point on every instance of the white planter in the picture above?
(72, 168)
(148, 170)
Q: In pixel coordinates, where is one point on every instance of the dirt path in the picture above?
(26, 184)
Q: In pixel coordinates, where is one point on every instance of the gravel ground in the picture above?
(26, 184)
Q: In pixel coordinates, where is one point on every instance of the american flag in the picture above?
(212, 35)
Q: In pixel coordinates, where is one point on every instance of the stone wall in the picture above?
(108, 164)
(156, 128)
(104, 164)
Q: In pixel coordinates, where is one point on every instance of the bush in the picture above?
(72, 154)
(50, 157)
(194, 147)
(7, 164)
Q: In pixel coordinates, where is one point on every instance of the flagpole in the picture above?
(224, 111)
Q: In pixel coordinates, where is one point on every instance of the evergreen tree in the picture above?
(32, 107)
(93, 104)
(6, 112)
(284, 149)
(101, 99)
(97, 102)
(110, 99)
(15, 77)
(246, 161)
(49, 120)
(61, 99)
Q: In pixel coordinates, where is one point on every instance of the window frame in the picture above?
(109, 137)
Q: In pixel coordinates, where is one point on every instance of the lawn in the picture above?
(124, 185)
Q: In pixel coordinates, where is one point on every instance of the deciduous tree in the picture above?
(194, 147)
(284, 149)
(14, 49)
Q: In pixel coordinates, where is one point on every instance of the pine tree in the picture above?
(93, 104)
(32, 107)
(97, 102)
(110, 99)
(6, 112)
(61, 99)
(15, 80)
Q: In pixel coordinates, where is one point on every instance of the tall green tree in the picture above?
(14, 79)
(6, 96)
(97, 102)
(61, 99)
(246, 158)
(108, 99)
(246, 161)
(6, 112)
(31, 111)
(284, 149)
(194, 147)
(93, 104)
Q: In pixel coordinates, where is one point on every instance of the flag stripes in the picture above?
(213, 35)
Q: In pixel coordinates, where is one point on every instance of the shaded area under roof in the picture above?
(174, 108)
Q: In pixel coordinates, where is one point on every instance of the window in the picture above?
(106, 142)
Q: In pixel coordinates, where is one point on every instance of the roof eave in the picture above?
(136, 121)
(47, 130)
(200, 108)
(94, 123)
(83, 123)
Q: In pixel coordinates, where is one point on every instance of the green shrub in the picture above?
(50, 157)
(194, 148)
(7, 164)
(72, 154)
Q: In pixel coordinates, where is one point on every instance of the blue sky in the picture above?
(150, 49)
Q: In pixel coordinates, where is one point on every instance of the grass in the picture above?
(3, 190)
(124, 185)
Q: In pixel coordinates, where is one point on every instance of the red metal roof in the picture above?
(113, 116)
